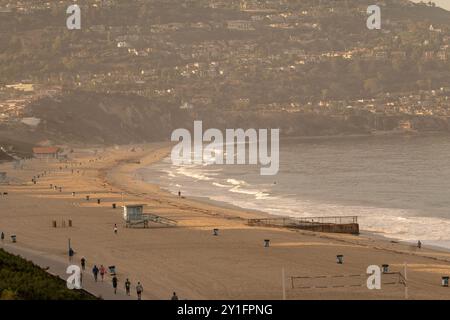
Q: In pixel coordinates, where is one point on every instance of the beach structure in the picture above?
(46, 152)
(134, 216)
(338, 224)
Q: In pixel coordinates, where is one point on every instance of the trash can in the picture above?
(216, 232)
(340, 259)
(445, 281)
(98, 201)
(267, 243)
(87, 198)
(54, 224)
(112, 270)
(14, 238)
(385, 268)
(114, 206)
(70, 223)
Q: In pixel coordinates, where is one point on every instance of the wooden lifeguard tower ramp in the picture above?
(134, 216)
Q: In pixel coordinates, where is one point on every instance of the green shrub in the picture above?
(22, 280)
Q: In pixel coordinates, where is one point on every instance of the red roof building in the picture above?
(45, 152)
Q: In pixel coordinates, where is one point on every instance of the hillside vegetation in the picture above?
(22, 280)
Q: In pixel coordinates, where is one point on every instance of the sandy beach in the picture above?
(188, 258)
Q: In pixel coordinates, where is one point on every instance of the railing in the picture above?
(304, 221)
(145, 218)
(159, 219)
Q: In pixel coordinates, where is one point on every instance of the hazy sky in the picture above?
(442, 3)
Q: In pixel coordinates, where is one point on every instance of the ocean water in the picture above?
(399, 186)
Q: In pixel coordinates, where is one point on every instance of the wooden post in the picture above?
(283, 283)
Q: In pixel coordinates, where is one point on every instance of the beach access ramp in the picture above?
(134, 216)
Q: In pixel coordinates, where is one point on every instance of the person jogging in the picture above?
(83, 264)
(95, 272)
(114, 283)
(102, 272)
(127, 286)
(139, 290)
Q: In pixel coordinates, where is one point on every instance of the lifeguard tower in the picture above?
(134, 216)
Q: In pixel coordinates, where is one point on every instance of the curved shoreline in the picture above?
(188, 259)
(260, 213)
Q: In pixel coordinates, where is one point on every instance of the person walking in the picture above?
(419, 244)
(95, 272)
(174, 296)
(139, 290)
(127, 286)
(114, 283)
(83, 264)
(2, 236)
(102, 272)
(115, 228)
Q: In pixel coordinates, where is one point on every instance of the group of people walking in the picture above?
(96, 271)
(102, 271)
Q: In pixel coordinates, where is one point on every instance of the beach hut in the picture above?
(133, 212)
(134, 215)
